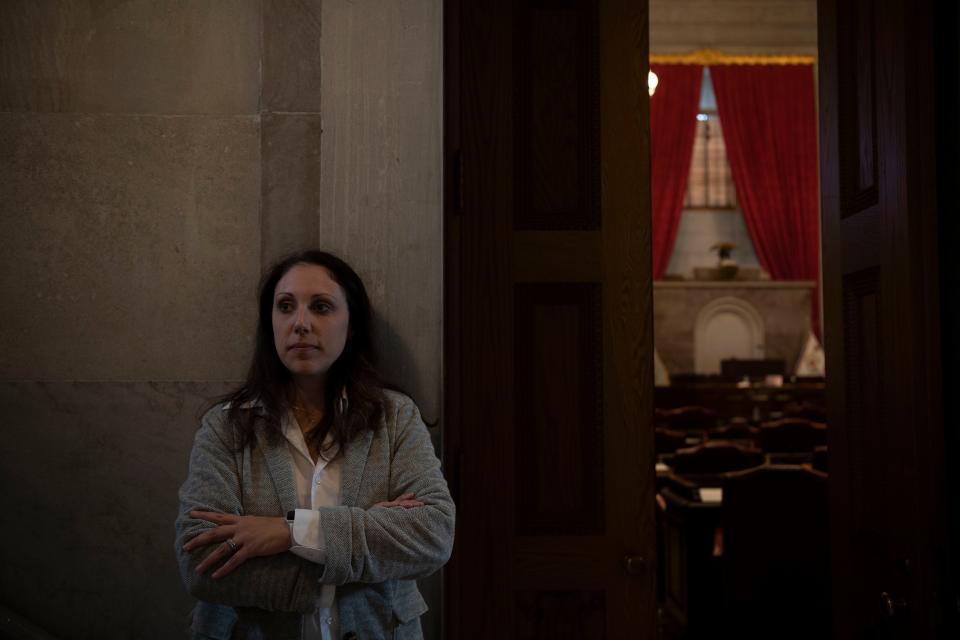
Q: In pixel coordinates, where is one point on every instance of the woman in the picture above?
(314, 498)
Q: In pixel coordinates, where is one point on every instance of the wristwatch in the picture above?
(291, 516)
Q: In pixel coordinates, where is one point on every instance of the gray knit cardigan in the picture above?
(373, 555)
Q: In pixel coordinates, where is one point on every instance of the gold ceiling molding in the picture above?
(712, 57)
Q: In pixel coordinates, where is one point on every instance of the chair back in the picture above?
(775, 552)
(791, 435)
(668, 440)
(733, 431)
(690, 418)
(805, 410)
(715, 456)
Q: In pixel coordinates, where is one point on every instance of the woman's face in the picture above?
(311, 321)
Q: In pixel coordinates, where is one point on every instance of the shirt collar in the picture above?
(291, 431)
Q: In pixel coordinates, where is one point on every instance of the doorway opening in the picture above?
(740, 397)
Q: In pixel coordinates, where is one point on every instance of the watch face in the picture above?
(292, 515)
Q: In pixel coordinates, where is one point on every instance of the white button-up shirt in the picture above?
(318, 485)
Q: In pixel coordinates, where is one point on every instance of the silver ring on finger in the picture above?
(233, 545)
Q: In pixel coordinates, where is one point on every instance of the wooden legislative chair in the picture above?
(692, 418)
(775, 564)
(734, 430)
(668, 440)
(791, 435)
(714, 457)
(820, 459)
(805, 410)
(688, 574)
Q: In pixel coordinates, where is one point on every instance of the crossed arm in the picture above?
(362, 545)
(239, 538)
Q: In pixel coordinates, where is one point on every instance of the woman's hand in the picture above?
(244, 537)
(405, 500)
(248, 536)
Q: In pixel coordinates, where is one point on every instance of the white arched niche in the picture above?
(726, 327)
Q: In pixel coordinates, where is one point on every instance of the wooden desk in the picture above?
(692, 578)
(728, 400)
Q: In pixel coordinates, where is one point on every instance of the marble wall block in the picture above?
(381, 171)
(784, 308)
(381, 160)
(130, 246)
(291, 184)
(90, 472)
(156, 156)
(380, 206)
(292, 47)
(116, 56)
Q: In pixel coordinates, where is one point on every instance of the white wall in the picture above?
(698, 230)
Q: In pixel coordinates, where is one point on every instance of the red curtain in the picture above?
(673, 122)
(769, 126)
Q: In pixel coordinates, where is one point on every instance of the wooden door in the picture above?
(549, 441)
(881, 299)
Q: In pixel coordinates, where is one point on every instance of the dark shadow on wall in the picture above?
(399, 367)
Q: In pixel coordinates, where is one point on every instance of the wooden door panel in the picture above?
(559, 414)
(556, 133)
(857, 100)
(881, 309)
(545, 257)
(549, 334)
(546, 614)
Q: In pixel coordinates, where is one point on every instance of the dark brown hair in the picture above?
(354, 371)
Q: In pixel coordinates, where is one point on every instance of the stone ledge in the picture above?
(734, 284)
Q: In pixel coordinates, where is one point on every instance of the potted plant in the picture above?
(726, 267)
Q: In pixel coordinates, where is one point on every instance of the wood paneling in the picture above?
(560, 615)
(882, 319)
(479, 316)
(559, 415)
(864, 362)
(858, 142)
(541, 257)
(539, 445)
(557, 126)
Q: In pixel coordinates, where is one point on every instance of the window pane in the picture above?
(710, 185)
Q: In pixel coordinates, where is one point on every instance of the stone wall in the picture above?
(156, 156)
(784, 309)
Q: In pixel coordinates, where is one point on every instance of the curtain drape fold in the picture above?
(673, 111)
(770, 130)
